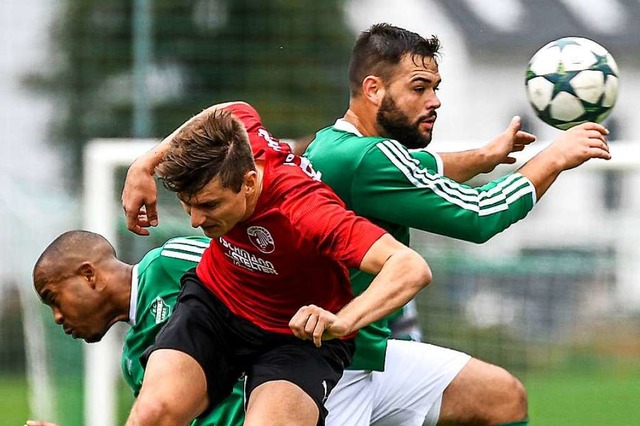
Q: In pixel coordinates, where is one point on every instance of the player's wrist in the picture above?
(487, 158)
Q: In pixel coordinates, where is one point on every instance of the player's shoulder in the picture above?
(188, 248)
(179, 254)
(342, 139)
(344, 130)
(243, 111)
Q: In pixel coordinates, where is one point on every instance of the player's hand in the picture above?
(498, 150)
(139, 198)
(579, 144)
(314, 323)
(39, 423)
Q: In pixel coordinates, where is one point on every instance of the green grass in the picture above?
(14, 405)
(14, 409)
(584, 399)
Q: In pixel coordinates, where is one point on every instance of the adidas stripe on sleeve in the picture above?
(397, 187)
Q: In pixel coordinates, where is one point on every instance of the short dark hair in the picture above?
(71, 244)
(380, 48)
(213, 145)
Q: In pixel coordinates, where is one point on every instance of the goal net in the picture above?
(521, 300)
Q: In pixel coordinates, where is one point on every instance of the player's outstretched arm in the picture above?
(140, 193)
(462, 166)
(39, 423)
(571, 149)
(401, 274)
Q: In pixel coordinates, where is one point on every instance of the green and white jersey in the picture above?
(154, 291)
(398, 189)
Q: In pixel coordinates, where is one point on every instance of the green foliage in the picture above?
(287, 57)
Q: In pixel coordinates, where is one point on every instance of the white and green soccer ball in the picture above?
(571, 81)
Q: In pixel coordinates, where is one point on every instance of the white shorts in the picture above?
(408, 392)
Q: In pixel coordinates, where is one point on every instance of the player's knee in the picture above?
(483, 394)
(153, 411)
(517, 398)
(509, 403)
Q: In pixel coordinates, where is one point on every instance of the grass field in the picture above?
(594, 399)
(555, 399)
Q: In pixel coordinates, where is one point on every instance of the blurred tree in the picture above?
(287, 57)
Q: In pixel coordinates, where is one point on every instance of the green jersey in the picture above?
(154, 291)
(398, 189)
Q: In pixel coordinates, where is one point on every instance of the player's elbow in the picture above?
(420, 269)
(481, 237)
(479, 233)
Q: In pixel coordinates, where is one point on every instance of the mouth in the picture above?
(427, 124)
(210, 230)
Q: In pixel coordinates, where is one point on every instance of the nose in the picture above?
(57, 316)
(434, 101)
(197, 218)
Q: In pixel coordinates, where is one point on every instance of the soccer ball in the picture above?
(571, 81)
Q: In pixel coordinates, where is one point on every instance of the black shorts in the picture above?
(227, 346)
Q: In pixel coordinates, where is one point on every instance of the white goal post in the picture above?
(103, 157)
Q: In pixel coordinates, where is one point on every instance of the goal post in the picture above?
(102, 157)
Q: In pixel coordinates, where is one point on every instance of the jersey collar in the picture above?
(345, 126)
(133, 302)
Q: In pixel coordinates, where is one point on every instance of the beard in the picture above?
(396, 125)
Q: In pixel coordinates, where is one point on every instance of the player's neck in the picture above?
(362, 119)
(121, 297)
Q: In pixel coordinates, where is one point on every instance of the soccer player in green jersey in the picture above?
(143, 295)
(89, 289)
(375, 160)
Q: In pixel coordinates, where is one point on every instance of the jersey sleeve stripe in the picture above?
(487, 202)
(189, 241)
(180, 255)
(453, 188)
(184, 247)
(436, 157)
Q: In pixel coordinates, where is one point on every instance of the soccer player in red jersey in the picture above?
(271, 297)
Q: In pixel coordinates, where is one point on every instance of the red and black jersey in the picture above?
(295, 248)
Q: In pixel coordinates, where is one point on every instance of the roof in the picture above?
(509, 24)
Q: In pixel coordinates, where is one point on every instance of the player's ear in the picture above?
(88, 272)
(250, 181)
(373, 89)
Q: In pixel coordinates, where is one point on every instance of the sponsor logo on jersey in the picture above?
(160, 310)
(241, 257)
(261, 239)
(304, 164)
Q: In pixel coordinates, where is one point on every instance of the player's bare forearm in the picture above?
(571, 149)
(402, 274)
(462, 166)
(140, 193)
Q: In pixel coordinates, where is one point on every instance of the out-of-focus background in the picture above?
(555, 298)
